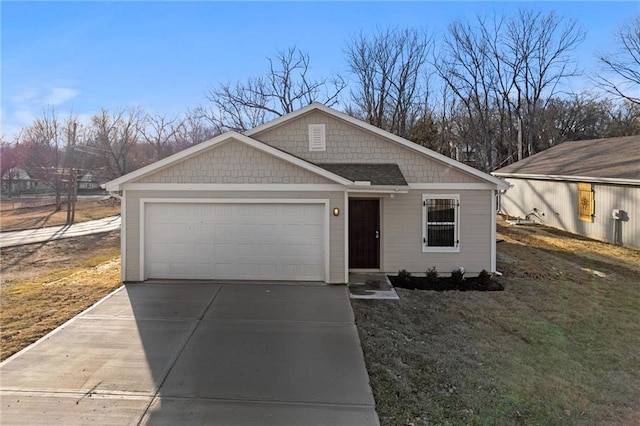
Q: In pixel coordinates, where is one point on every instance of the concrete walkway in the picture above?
(39, 235)
(196, 354)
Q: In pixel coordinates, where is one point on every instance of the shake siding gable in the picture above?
(234, 162)
(347, 143)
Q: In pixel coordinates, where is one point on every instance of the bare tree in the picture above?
(159, 131)
(114, 137)
(621, 68)
(288, 85)
(624, 119)
(388, 67)
(503, 71)
(538, 50)
(42, 143)
(197, 125)
(466, 68)
(70, 132)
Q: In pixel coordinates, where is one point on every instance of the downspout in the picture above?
(123, 248)
(493, 231)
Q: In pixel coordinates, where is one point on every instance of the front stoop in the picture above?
(371, 285)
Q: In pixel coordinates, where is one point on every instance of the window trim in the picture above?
(456, 224)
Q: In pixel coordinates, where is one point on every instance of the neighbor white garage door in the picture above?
(234, 241)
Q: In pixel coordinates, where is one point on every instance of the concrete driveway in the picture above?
(197, 353)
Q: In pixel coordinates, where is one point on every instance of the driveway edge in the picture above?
(61, 326)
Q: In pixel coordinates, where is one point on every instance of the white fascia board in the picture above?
(448, 186)
(618, 181)
(170, 200)
(382, 133)
(116, 184)
(378, 189)
(233, 187)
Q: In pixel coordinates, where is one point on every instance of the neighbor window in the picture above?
(440, 222)
(586, 202)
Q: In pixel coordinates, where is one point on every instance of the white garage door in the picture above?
(235, 241)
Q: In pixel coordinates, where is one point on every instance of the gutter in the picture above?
(380, 189)
(618, 181)
(116, 194)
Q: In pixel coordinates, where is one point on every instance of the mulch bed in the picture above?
(446, 284)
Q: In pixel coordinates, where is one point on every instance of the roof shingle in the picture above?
(611, 158)
(377, 174)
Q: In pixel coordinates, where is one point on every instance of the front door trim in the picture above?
(374, 266)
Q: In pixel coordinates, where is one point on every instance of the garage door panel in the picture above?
(234, 241)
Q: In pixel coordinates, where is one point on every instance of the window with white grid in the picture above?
(440, 222)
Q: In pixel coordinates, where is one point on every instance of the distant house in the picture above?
(88, 182)
(591, 188)
(16, 180)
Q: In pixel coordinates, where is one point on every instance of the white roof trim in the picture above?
(618, 181)
(378, 189)
(116, 184)
(366, 126)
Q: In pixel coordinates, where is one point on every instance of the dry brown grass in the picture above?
(560, 346)
(37, 217)
(44, 285)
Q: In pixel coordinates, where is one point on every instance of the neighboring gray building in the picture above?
(309, 196)
(591, 188)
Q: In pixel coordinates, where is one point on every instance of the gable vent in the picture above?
(317, 141)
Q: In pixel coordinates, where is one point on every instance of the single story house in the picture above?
(590, 188)
(16, 180)
(308, 196)
(88, 182)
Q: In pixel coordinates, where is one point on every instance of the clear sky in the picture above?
(163, 56)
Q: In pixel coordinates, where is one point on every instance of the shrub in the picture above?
(484, 277)
(431, 275)
(404, 276)
(457, 276)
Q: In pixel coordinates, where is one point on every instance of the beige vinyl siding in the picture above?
(556, 203)
(402, 234)
(336, 224)
(347, 143)
(234, 162)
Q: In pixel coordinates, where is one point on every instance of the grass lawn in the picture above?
(560, 346)
(43, 285)
(37, 217)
